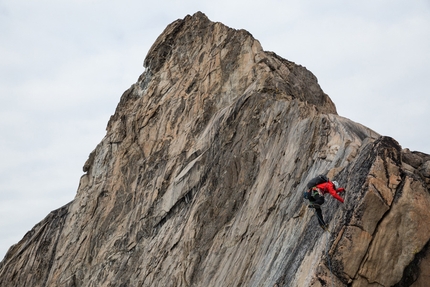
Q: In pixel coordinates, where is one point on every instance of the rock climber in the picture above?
(317, 188)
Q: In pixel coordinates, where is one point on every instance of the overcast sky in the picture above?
(65, 64)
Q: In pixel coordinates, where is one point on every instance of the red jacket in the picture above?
(329, 187)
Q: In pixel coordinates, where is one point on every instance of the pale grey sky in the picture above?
(65, 64)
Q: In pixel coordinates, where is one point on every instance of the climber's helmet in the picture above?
(336, 184)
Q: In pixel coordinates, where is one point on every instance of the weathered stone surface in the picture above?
(199, 181)
(401, 235)
(351, 249)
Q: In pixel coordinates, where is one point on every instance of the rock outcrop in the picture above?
(199, 181)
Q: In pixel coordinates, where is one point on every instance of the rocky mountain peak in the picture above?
(209, 58)
(199, 182)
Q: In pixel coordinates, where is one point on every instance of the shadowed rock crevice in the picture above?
(413, 273)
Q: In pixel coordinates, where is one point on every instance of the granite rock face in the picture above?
(199, 182)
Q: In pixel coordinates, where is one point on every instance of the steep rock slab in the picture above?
(29, 262)
(199, 180)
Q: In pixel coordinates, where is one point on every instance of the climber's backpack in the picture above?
(317, 180)
(314, 182)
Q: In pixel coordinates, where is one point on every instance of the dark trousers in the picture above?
(316, 201)
(318, 211)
